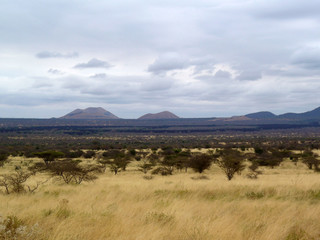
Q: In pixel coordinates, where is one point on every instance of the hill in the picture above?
(261, 115)
(90, 113)
(314, 114)
(161, 115)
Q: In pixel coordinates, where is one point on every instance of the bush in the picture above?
(116, 159)
(14, 182)
(164, 171)
(231, 162)
(70, 171)
(89, 154)
(145, 166)
(253, 171)
(200, 162)
(12, 227)
(49, 156)
(147, 177)
(310, 159)
(201, 177)
(3, 158)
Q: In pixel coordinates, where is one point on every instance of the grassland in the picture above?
(283, 203)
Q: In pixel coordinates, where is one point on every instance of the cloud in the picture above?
(219, 76)
(74, 82)
(94, 63)
(47, 54)
(42, 82)
(55, 71)
(222, 74)
(307, 57)
(219, 57)
(168, 62)
(99, 76)
(157, 84)
(287, 9)
(249, 75)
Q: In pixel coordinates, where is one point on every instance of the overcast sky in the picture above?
(196, 58)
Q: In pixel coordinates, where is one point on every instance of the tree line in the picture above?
(69, 168)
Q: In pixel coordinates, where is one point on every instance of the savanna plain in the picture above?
(281, 203)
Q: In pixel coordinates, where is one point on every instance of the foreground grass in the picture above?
(283, 203)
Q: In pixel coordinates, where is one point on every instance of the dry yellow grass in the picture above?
(284, 203)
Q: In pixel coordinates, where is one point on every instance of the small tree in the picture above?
(145, 166)
(310, 159)
(3, 158)
(73, 154)
(277, 157)
(89, 154)
(183, 160)
(49, 156)
(253, 171)
(116, 159)
(15, 182)
(70, 171)
(162, 170)
(270, 158)
(231, 162)
(200, 162)
(294, 158)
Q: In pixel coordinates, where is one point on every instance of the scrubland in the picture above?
(283, 203)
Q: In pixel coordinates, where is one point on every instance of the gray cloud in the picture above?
(157, 84)
(47, 54)
(249, 75)
(219, 76)
(288, 9)
(222, 74)
(99, 76)
(94, 63)
(308, 57)
(55, 71)
(167, 62)
(219, 57)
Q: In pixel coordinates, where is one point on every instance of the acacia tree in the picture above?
(70, 171)
(145, 166)
(183, 160)
(267, 157)
(148, 162)
(49, 156)
(310, 159)
(200, 162)
(116, 159)
(231, 162)
(15, 182)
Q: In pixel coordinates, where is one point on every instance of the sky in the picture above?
(195, 58)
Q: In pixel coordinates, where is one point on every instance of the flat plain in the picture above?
(283, 203)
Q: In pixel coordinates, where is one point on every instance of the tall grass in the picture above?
(283, 203)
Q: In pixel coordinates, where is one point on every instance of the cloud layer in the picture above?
(196, 58)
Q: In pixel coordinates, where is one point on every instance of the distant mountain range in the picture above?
(314, 114)
(100, 113)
